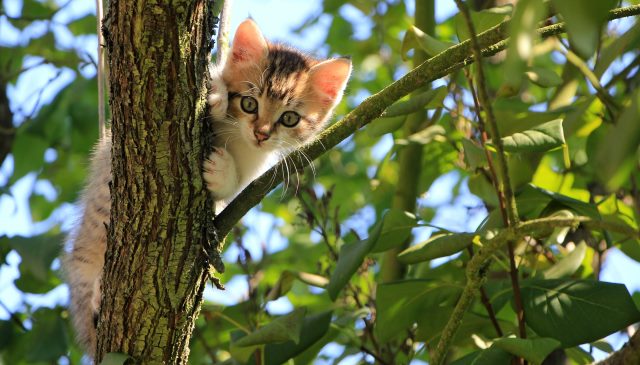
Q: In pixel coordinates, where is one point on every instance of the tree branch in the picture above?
(477, 265)
(452, 59)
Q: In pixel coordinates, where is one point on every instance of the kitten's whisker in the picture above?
(301, 153)
(286, 185)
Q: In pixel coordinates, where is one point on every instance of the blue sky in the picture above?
(276, 19)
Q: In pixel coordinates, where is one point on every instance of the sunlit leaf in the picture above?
(282, 286)
(577, 311)
(541, 138)
(584, 23)
(615, 155)
(523, 35)
(534, 350)
(492, 355)
(399, 304)
(84, 25)
(396, 229)
(568, 265)
(430, 99)
(416, 38)
(313, 329)
(482, 21)
(435, 247)
(351, 257)
(381, 126)
(543, 77)
(281, 329)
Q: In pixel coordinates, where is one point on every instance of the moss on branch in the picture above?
(476, 266)
(454, 58)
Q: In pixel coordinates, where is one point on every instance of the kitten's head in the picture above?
(279, 96)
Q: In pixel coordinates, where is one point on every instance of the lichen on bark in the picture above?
(156, 269)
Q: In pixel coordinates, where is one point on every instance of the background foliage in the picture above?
(308, 261)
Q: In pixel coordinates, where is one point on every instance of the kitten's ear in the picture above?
(249, 44)
(329, 78)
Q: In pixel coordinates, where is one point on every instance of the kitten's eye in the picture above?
(249, 104)
(289, 118)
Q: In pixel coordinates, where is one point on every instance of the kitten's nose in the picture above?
(261, 136)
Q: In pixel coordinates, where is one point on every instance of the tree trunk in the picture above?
(155, 267)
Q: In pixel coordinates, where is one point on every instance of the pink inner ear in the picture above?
(330, 78)
(330, 86)
(248, 43)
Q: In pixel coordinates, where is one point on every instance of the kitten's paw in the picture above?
(218, 98)
(220, 173)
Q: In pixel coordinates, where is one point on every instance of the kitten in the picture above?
(265, 100)
(278, 99)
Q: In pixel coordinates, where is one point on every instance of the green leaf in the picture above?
(534, 350)
(577, 311)
(584, 22)
(399, 304)
(396, 229)
(473, 154)
(538, 139)
(568, 265)
(281, 329)
(617, 47)
(490, 356)
(425, 136)
(114, 358)
(430, 99)
(48, 331)
(631, 248)
(282, 286)
(351, 257)
(414, 38)
(10, 63)
(543, 77)
(43, 46)
(28, 154)
(534, 202)
(313, 329)
(7, 333)
(32, 9)
(382, 126)
(435, 247)
(511, 121)
(523, 30)
(84, 25)
(37, 253)
(615, 156)
(482, 21)
(41, 207)
(603, 346)
(579, 356)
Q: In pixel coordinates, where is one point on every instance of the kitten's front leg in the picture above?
(220, 174)
(218, 98)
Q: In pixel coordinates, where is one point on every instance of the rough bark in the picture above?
(156, 269)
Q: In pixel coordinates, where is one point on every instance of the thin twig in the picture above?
(484, 298)
(601, 92)
(476, 267)
(373, 354)
(13, 317)
(450, 60)
(505, 190)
